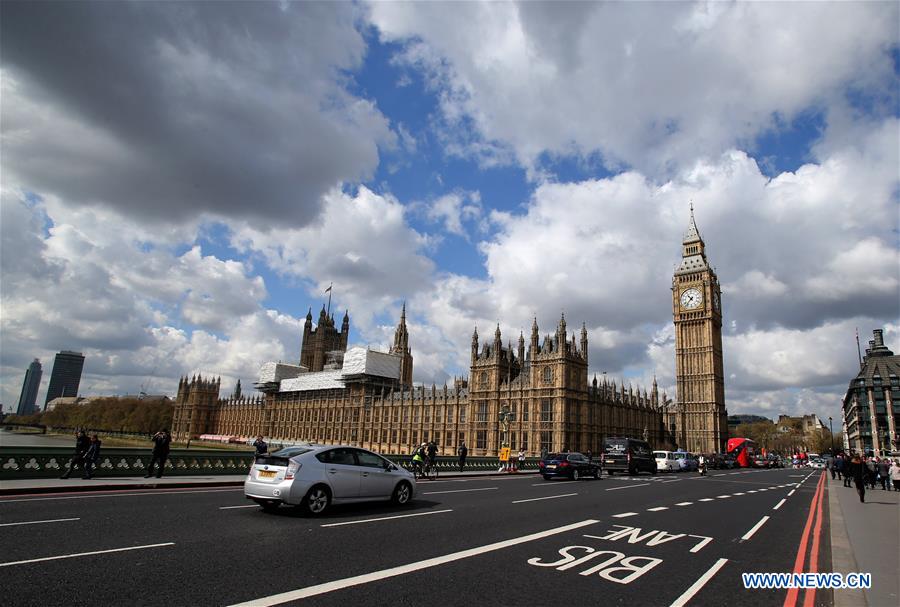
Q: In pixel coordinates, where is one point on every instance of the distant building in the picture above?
(28, 397)
(807, 423)
(736, 420)
(871, 405)
(66, 375)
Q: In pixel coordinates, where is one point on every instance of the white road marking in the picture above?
(701, 544)
(124, 493)
(780, 504)
(684, 503)
(546, 497)
(235, 507)
(723, 474)
(657, 509)
(627, 487)
(752, 491)
(796, 476)
(755, 528)
(293, 595)
(459, 490)
(700, 583)
(624, 515)
(763, 489)
(741, 493)
(706, 499)
(791, 492)
(53, 520)
(385, 518)
(733, 473)
(71, 556)
(674, 480)
(552, 483)
(723, 497)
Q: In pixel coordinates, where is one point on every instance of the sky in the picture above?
(182, 181)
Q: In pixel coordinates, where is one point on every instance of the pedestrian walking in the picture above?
(830, 465)
(161, 441)
(895, 474)
(884, 473)
(858, 473)
(521, 459)
(870, 471)
(431, 449)
(91, 456)
(462, 452)
(261, 447)
(82, 442)
(847, 474)
(839, 466)
(544, 453)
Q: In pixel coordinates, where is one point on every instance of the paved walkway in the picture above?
(106, 483)
(866, 538)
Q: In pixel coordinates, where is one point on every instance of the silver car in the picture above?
(317, 476)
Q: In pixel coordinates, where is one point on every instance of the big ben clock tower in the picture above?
(701, 423)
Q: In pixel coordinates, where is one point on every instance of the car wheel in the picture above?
(575, 475)
(654, 470)
(317, 500)
(402, 493)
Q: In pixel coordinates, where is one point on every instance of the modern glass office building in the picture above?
(28, 396)
(66, 375)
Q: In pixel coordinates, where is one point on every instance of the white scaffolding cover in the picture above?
(357, 361)
(275, 372)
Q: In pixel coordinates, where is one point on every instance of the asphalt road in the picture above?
(508, 540)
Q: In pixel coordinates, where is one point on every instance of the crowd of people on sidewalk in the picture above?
(865, 471)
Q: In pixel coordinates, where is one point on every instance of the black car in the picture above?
(570, 465)
(629, 455)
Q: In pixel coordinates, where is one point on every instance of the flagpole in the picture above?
(328, 313)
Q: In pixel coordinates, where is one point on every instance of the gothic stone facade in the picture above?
(554, 405)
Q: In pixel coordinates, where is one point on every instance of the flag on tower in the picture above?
(329, 288)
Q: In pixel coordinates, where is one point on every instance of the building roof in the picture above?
(878, 362)
(358, 363)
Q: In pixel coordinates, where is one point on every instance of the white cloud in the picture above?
(652, 86)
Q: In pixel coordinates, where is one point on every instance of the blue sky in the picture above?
(192, 194)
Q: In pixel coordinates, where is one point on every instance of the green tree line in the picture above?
(110, 414)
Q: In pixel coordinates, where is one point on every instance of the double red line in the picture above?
(814, 525)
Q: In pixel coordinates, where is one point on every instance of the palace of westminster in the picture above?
(540, 388)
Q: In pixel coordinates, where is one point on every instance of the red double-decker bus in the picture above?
(743, 450)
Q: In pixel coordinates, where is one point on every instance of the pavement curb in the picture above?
(194, 484)
(96, 488)
(842, 558)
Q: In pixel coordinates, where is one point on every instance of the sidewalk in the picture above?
(58, 485)
(865, 537)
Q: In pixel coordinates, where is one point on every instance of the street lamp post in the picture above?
(505, 417)
(831, 430)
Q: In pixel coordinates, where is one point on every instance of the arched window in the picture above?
(484, 378)
(548, 375)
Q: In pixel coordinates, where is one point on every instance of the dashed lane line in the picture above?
(628, 487)
(755, 528)
(546, 497)
(684, 503)
(780, 504)
(385, 518)
(460, 490)
(236, 507)
(552, 483)
(739, 493)
(624, 515)
(53, 520)
(791, 492)
(723, 497)
(706, 499)
(418, 565)
(657, 509)
(72, 556)
(699, 584)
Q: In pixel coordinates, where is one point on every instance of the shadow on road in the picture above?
(342, 511)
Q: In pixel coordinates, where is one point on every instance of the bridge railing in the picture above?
(51, 462)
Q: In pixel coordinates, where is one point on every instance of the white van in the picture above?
(666, 461)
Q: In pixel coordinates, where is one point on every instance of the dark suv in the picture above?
(570, 465)
(629, 455)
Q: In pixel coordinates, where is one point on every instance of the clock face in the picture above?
(691, 298)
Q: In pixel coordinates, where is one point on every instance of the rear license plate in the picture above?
(267, 474)
(552, 466)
